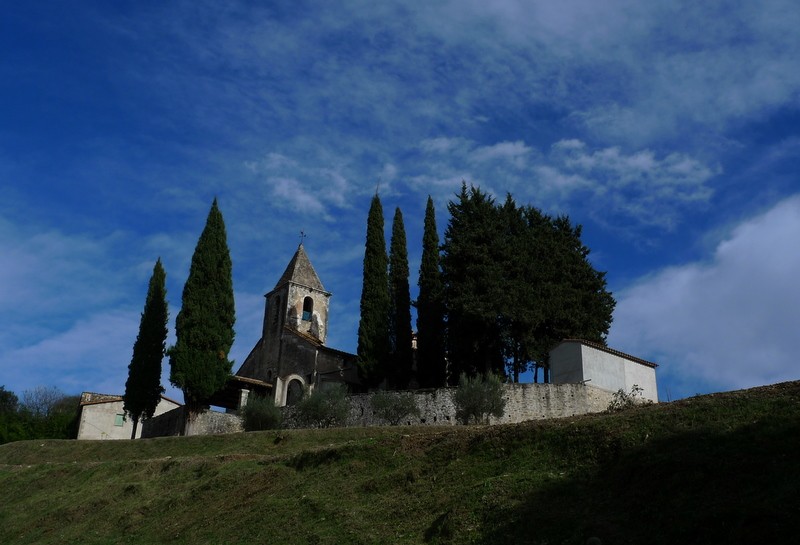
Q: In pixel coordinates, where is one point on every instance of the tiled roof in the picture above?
(249, 380)
(604, 348)
(302, 334)
(91, 398)
(300, 271)
(88, 398)
(316, 342)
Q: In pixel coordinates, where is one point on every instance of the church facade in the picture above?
(291, 356)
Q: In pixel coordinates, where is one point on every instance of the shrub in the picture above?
(325, 408)
(622, 400)
(478, 398)
(260, 413)
(394, 408)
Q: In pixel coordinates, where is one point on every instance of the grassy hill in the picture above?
(722, 468)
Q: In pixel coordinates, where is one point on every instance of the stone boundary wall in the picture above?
(523, 402)
(207, 423)
(163, 425)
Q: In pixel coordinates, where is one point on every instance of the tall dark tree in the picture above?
(583, 306)
(516, 282)
(472, 273)
(431, 363)
(143, 388)
(399, 305)
(521, 306)
(199, 363)
(373, 328)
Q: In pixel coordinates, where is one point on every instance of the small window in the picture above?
(308, 308)
(119, 420)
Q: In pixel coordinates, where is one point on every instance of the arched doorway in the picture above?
(294, 392)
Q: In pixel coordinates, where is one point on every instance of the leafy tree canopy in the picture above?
(516, 282)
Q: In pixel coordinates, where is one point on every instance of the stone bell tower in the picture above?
(298, 301)
(291, 357)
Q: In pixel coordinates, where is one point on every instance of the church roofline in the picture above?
(303, 335)
(316, 342)
(604, 348)
(113, 398)
(249, 380)
(312, 288)
(300, 271)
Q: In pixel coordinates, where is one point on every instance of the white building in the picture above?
(577, 361)
(102, 416)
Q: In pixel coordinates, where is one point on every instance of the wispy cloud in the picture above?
(94, 351)
(513, 153)
(641, 188)
(639, 185)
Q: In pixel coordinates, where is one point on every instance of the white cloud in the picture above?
(730, 322)
(93, 354)
(290, 192)
(515, 153)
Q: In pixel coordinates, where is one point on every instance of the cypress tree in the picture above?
(373, 328)
(473, 278)
(204, 326)
(143, 388)
(399, 304)
(431, 364)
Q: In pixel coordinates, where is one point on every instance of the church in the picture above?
(291, 356)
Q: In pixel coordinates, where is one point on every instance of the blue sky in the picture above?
(669, 130)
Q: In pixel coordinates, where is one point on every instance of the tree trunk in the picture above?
(135, 425)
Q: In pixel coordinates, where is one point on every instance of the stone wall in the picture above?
(523, 402)
(207, 423)
(436, 407)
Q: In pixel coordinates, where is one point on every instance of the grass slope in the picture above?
(722, 468)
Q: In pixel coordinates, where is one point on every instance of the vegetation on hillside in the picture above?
(45, 412)
(478, 398)
(712, 469)
(325, 408)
